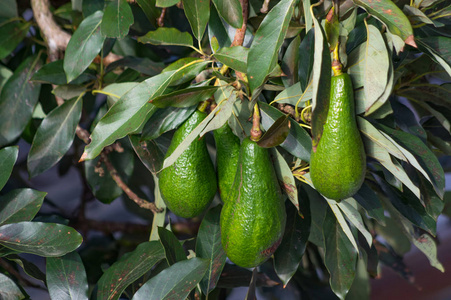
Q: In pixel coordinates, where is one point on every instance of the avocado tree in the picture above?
(128, 95)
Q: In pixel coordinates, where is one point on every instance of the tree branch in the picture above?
(240, 33)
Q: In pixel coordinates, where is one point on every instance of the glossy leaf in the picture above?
(117, 19)
(218, 30)
(234, 57)
(298, 142)
(128, 269)
(289, 254)
(172, 247)
(166, 3)
(267, 41)
(340, 256)
(167, 36)
(230, 11)
(197, 12)
(84, 46)
(376, 66)
(9, 290)
(175, 282)
(54, 137)
(184, 98)
(53, 72)
(17, 100)
(8, 157)
(20, 205)
(100, 181)
(276, 134)
(44, 239)
(11, 34)
(392, 16)
(208, 245)
(285, 177)
(165, 120)
(321, 79)
(66, 277)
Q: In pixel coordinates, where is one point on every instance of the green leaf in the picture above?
(160, 218)
(17, 100)
(295, 96)
(9, 9)
(11, 34)
(8, 157)
(230, 11)
(166, 3)
(370, 202)
(20, 205)
(321, 79)
(90, 7)
(66, 277)
(285, 177)
(197, 12)
(298, 141)
(376, 66)
(140, 64)
(306, 60)
(150, 10)
(167, 36)
(392, 16)
(128, 269)
(437, 47)
(267, 41)
(175, 282)
(289, 254)
(185, 97)
(226, 99)
(69, 91)
(43, 239)
(341, 221)
(117, 19)
(9, 290)
(208, 245)
(290, 62)
(218, 30)
(101, 183)
(84, 46)
(172, 247)
(29, 268)
(148, 152)
(251, 292)
(53, 72)
(234, 57)
(349, 208)
(340, 256)
(165, 120)
(54, 137)
(276, 134)
(189, 67)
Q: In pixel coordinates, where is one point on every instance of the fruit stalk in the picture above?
(256, 132)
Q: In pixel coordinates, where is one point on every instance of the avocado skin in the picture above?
(189, 185)
(227, 154)
(338, 166)
(253, 218)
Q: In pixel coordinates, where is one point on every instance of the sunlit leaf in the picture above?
(234, 57)
(167, 36)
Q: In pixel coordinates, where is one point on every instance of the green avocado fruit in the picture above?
(227, 153)
(253, 217)
(338, 166)
(189, 185)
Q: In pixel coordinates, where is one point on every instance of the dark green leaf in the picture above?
(166, 3)
(20, 205)
(306, 52)
(208, 245)
(17, 100)
(84, 46)
(149, 8)
(392, 16)
(276, 134)
(54, 73)
(340, 256)
(44, 239)
(117, 19)
(8, 289)
(184, 98)
(197, 12)
(436, 94)
(217, 30)
(165, 120)
(128, 269)
(290, 62)
(90, 7)
(234, 57)
(434, 205)
(268, 39)
(172, 247)
(8, 157)
(298, 142)
(438, 48)
(230, 11)
(11, 34)
(234, 276)
(9, 9)
(175, 282)
(29, 268)
(167, 36)
(297, 230)
(142, 65)
(66, 277)
(149, 153)
(251, 292)
(54, 137)
(104, 187)
(370, 202)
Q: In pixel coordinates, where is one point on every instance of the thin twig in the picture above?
(240, 33)
(160, 20)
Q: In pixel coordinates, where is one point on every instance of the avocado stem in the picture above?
(336, 64)
(256, 132)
